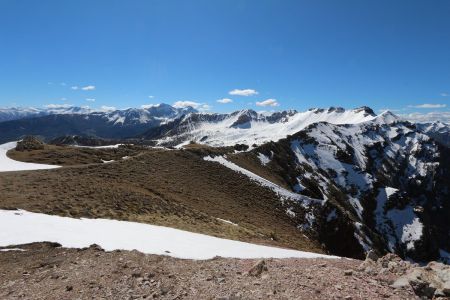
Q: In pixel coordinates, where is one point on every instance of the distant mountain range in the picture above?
(52, 123)
(170, 126)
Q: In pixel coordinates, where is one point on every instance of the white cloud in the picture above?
(245, 92)
(195, 105)
(74, 88)
(56, 106)
(389, 109)
(107, 108)
(90, 99)
(151, 96)
(445, 94)
(268, 102)
(63, 84)
(184, 104)
(443, 116)
(225, 100)
(88, 88)
(204, 107)
(428, 105)
(145, 106)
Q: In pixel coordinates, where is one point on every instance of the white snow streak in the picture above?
(281, 192)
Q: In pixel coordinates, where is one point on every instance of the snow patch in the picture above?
(263, 159)
(7, 164)
(227, 221)
(21, 227)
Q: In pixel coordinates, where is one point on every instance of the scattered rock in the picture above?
(430, 281)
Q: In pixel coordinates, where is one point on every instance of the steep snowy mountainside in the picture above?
(384, 182)
(249, 127)
(437, 130)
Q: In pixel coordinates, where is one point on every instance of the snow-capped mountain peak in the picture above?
(250, 127)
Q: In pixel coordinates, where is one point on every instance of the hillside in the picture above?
(164, 187)
(384, 183)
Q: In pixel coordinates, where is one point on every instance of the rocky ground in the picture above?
(46, 271)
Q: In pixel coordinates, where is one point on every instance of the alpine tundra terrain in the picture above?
(347, 183)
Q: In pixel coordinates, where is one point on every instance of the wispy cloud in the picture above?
(389, 109)
(107, 108)
(151, 96)
(193, 104)
(428, 105)
(186, 103)
(63, 84)
(445, 94)
(88, 88)
(56, 106)
(443, 116)
(225, 100)
(74, 87)
(90, 99)
(268, 102)
(245, 92)
(145, 106)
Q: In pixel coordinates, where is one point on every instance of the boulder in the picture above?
(29, 143)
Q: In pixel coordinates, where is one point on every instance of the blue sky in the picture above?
(298, 54)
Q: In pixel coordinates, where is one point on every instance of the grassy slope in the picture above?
(171, 188)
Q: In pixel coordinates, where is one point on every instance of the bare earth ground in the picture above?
(44, 271)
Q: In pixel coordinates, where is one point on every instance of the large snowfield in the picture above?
(20, 227)
(7, 164)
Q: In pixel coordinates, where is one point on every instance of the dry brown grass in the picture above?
(172, 188)
(70, 156)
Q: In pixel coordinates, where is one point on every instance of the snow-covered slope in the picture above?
(437, 130)
(249, 127)
(7, 164)
(385, 184)
(20, 227)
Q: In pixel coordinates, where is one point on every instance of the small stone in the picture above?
(348, 298)
(258, 268)
(69, 288)
(348, 272)
(136, 274)
(371, 255)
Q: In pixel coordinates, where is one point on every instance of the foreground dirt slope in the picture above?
(44, 271)
(171, 188)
